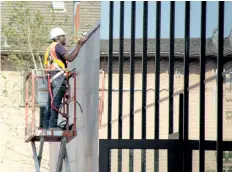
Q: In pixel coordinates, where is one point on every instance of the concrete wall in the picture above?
(83, 150)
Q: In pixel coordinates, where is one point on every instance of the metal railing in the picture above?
(37, 94)
(101, 95)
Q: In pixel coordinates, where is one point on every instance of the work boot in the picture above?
(70, 127)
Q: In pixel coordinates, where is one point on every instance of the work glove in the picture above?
(81, 41)
(82, 38)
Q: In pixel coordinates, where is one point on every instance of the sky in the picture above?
(212, 14)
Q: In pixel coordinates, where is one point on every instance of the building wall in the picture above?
(178, 86)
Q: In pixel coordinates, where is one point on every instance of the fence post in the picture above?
(175, 154)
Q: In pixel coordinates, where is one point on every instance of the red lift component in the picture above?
(101, 96)
(35, 96)
(38, 88)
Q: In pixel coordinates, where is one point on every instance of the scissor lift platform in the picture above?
(36, 94)
(63, 156)
(50, 135)
(42, 136)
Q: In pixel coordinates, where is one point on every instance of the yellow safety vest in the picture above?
(51, 61)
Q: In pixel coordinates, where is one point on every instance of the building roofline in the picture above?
(211, 49)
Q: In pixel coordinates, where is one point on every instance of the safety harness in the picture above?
(52, 62)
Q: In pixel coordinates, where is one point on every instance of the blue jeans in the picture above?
(58, 87)
(41, 117)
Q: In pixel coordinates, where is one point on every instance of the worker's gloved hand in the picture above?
(81, 41)
(69, 75)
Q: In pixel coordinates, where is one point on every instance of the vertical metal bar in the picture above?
(67, 118)
(144, 81)
(171, 64)
(61, 154)
(66, 160)
(41, 149)
(120, 93)
(186, 69)
(181, 117)
(102, 97)
(103, 156)
(64, 102)
(75, 100)
(202, 89)
(157, 80)
(110, 69)
(22, 87)
(27, 106)
(186, 84)
(37, 168)
(175, 154)
(220, 86)
(132, 81)
(181, 131)
(33, 99)
(144, 66)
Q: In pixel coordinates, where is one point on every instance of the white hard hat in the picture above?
(56, 32)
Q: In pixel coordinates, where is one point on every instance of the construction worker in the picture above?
(55, 58)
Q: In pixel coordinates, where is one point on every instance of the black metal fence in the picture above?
(180, 149)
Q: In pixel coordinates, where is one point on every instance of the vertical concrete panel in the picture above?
(89, 162)
(92, 124)
(53, 156)
(80, 151)
(81, 98)
(83, 150)
(96, 153)
(72, 146)
(73, 166)
(89, 124)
